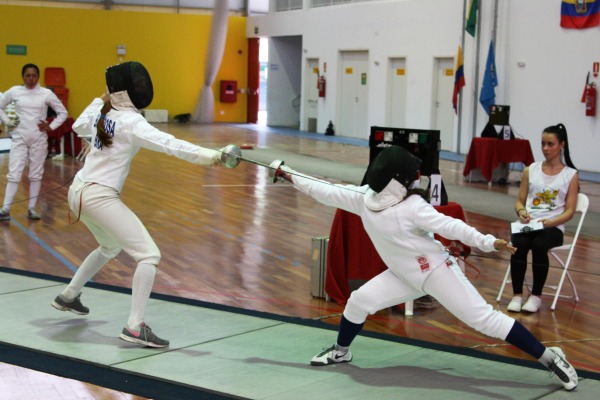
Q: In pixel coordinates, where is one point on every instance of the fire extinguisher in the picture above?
(590, 100)
(321, 86)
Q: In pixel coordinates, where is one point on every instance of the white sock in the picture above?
(341, 348)
(143, 279)
(34, 193)
(547, 358)
(9, 196)
(90, 266)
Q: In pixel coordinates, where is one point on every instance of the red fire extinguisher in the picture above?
(321, 86)
(591, 100)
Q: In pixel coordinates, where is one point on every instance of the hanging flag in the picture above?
(585, 89)
(579, 14)
(472, 17)
(459, 79)
(487, 97)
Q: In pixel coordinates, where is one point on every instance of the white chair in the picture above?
(86, 143)
(559, 255)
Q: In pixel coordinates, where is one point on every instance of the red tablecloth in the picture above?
(352, 258)
(63, 129)
(487, 153)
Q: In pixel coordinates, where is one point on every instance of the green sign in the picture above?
(16, 49)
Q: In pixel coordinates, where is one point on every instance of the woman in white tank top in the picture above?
(548, 193)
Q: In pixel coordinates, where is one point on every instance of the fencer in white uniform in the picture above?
(118, 131)
(401, 223)
(29, 131)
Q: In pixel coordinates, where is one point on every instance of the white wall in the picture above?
(284, 81)
(545, 91)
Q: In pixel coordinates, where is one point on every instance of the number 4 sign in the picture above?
(436, 189)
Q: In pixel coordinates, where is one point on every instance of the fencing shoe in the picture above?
(560, 367)
(331, 355)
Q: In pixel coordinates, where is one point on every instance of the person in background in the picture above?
(118, 131)
(29, 130)
(400, 222)
(548, 193)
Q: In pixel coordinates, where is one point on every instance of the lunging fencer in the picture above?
(118, 131)
(401, 222)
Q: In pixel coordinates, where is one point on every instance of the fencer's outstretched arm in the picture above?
(147, 136)
(346, 197)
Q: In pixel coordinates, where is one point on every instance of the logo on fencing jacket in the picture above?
(423, 263)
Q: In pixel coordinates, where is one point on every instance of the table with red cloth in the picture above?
(66, 128)
(352, 258)
(487, 154)
(63, 129)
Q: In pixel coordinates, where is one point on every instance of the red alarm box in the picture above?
(228, 91)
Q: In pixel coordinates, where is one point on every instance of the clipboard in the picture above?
(519, 227)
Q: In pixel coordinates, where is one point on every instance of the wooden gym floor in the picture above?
(229, 237)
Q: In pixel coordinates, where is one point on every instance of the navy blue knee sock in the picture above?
(521, 338)
(348, 332)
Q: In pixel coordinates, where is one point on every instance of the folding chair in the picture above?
(559, 255)
(86, 143)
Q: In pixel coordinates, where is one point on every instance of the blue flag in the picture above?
(487, 97)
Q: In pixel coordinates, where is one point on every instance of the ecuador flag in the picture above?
(580, 14)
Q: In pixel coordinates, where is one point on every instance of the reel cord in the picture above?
(43, 193)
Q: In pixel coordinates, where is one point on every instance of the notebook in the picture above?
(519, 227)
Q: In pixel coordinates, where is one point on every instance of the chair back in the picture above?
(54, 77)
(583, 202)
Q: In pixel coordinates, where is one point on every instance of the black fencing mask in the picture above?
(132, 77)
(394, 162)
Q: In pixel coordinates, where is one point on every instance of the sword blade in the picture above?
(254, 162)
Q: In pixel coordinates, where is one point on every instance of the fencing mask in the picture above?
(129, 85)
(394, 162)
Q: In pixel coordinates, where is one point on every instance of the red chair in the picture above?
(55, 80)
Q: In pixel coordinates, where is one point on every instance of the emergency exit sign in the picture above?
(16, 49)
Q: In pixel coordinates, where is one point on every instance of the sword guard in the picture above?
(230, 156)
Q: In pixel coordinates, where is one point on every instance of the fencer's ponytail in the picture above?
(560, 131)
(418, 191)
(101, 134)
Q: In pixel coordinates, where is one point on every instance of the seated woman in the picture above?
(548, 194)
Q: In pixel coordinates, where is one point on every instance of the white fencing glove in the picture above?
(280, 172)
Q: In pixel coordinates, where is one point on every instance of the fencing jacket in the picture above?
(402, 230)
(130, 132)
(31, 106)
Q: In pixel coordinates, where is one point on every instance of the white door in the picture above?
(354, 92)
(311, 103)
(396, 112)
(443, 110)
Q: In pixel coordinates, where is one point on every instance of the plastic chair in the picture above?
(559, 255)
(55, 80)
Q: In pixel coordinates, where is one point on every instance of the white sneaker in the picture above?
(562, 369)
(331, 356)
(532, 304)
(515, 304)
